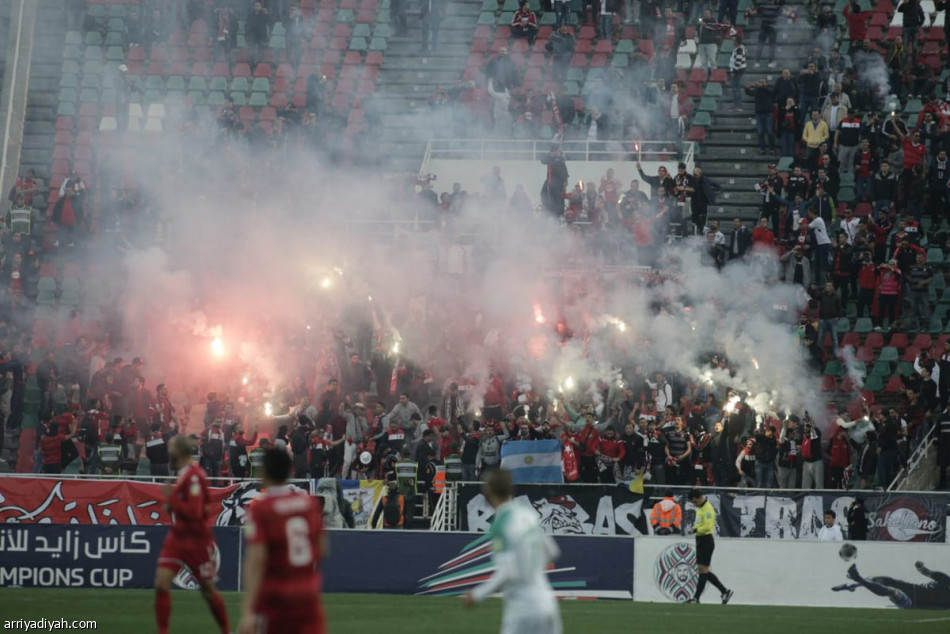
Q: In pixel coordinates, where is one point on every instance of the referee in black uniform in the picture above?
(705, 527)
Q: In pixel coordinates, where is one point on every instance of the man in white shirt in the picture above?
(849, 224)
(831, 531)
(822, 242)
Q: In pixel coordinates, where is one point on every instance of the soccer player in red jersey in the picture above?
(189, 544)
(284, 537)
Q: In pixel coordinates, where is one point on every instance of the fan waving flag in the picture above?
(533, 460)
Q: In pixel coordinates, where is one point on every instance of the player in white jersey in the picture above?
(521, 554)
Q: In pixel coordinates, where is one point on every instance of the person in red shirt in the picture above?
(524, 23)
(189, 544)
(285, 539)
(858, 22)
(867, 282)
(762, 235)
(610, 453)
(585, 441)
(51, 446)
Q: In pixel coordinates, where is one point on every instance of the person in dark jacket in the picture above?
(766, 448)
(764, 96)
(257, 31)
(829, 312)
(552, 192)
(156, 450)
(722, 458)
(740, 241)
(857, 520)
(703, 195)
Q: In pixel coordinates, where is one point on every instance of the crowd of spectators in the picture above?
(870, 251)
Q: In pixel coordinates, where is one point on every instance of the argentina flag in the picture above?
(533, 460)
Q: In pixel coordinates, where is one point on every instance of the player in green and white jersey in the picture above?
(521, 554)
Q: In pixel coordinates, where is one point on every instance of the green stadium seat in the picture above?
(619, 60)
(624, 46)
(889, 353)
(843, 325)
(107, 95)
(71, 51)
(278, 29)
(93, 38)
(345, 16)
(117, 11)
(846, 194)
(881, 369)
(548, 19)
(239, 98)
(115, 54)
(153, 96)
(73, 38)
(92, 67)
(89, 95)
(46, 291)
(863, 325)
(239, 84)
(713, 90)
(91, 81)
(834, 368)
(486, 18)
(945, 296)
(359, 44)
(260, 84)
(785, 163)
(708, 104)
(506, 17)
(510, 5)
(66, 109)
(93, 53)
(69, 295)
(199, 83)
(117, 25)
(847, 179)
(378, 44)
(361, 30)
(218, 83)
(934, 256)
(905, 368)
(69, 80)
(175, 83)
(154, 82)
(277, 42)
(96, 10)
(702, 118)
(258, 100)
(935, 324)
(215, 99)
(382, 30)
(940, 282)
(68, 94)
(70, 66)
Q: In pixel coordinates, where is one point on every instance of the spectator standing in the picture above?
(920, 277)
(561, 48)
(766, 450)
(764, 97)
(788, 126)
(769, 12)
(703, 195)
(809, 83)
(562, 10)
(839, 459)
(432, 13)
(737, 67)
(708, 35)
(257, 32)
(740, 241)
(846, 141)
(913, 20)
(813, 466)
(814, 134)
(857, 520)
(888, 295)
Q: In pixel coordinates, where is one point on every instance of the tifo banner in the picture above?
(533, 460)
(363, 496)
(45, 555)
(53, 501)
(419, 562)
(563, 509)
(613, 510)
(817, 574)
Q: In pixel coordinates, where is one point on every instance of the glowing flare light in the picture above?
(217, 347)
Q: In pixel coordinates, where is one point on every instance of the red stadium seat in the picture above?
(241, 69)
(829, 383)
(923, 341)
(697, 133)
(865, 353)
(894, 385)
(874, 340)
(898, 340)
(910, 353)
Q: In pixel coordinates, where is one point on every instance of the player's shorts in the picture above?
(531, 623)
(309, 621)
(705, 545)
(197, 556)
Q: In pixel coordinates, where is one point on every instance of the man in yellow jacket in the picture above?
(705, 526)
(815, 133)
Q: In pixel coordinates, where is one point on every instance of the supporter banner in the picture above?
(363, 496)
(803, 573)
(614, 510)
(79, 556)
(419, 562)
(52, 501)
(563, 509)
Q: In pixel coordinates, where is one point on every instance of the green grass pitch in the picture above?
(130, 612)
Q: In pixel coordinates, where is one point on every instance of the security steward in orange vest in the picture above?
(666, 516)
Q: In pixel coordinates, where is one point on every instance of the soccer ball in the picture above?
(848, 552)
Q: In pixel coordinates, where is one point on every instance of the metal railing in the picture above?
(148, 479)
(914, 461)
(533, 150)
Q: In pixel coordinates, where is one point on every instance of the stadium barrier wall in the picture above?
(804, 573)
(111, 556)
(442, 564)
(593, 509)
